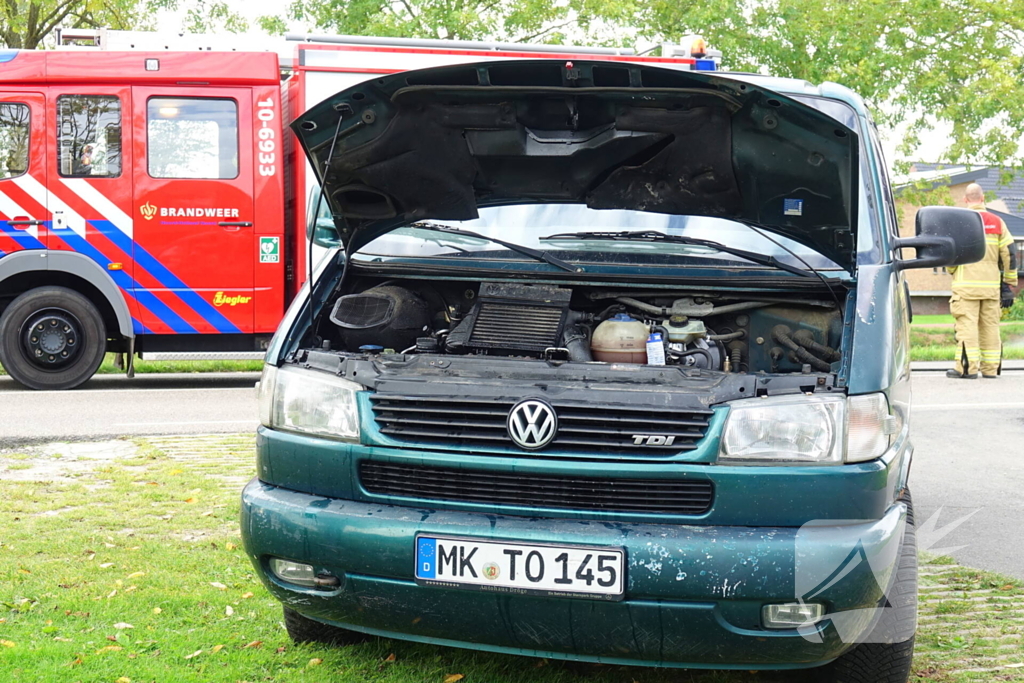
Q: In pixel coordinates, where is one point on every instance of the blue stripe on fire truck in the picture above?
(126, 282)
(165, 277)
(24, 240)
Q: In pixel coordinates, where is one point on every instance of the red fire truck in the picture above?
(152, 203)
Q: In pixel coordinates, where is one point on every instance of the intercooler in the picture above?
(513, 318)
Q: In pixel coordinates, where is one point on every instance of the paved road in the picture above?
(969, 459)
(969, 437)
(112, 405)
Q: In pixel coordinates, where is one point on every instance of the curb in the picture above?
(943, 365)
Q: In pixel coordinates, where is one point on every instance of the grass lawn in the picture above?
(121, 562)
(143, 367)
(933, 320)
(938, 343)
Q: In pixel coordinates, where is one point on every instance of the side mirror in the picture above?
(323, 233)
(946, 236)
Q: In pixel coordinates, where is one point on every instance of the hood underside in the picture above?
(437, 143)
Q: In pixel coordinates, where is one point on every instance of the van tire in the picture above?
(890, 660)
(304, 630)
(78, 333)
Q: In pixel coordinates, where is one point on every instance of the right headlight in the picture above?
(806, 429)
(299, 400)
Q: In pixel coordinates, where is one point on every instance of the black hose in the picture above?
(576, 340)
(697, 352)
(827, 352)
(664, 338)
(781, 335)
(604, 315)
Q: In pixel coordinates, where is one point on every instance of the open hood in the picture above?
(437, 143)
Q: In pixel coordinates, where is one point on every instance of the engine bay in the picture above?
(719, 332)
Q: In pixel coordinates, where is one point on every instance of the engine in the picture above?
(582, 324)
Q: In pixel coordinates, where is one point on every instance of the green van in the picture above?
(608, 363)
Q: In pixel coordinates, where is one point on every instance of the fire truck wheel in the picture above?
(52, 338)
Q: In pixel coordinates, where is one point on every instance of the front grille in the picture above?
(657, 496)
(481, 422)
(516, 327)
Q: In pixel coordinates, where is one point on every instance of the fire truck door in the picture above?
(194, 241)
(22, 172)
(89, 181)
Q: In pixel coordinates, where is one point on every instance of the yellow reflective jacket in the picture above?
(981, 280)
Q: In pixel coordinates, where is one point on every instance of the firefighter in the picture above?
(83, 164)
(975, 303)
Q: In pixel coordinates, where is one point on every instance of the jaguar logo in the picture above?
(148, 211)
(532, 424)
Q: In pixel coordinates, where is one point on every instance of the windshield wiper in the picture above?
(655, 236)
(511, 246)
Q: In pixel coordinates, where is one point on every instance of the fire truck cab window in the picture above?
(192, 138)
(13, 140)
(89, 135)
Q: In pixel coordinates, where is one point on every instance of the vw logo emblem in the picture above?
(532, 424)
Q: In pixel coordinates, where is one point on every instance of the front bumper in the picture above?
(693, 594)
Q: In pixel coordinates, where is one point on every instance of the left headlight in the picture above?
(807, 430)
(309, 402)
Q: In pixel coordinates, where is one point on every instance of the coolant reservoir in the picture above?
(620, 339)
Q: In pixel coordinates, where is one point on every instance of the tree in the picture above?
(25, 23)
(205, 16)
(955, 64)
(918, 63)
(499, 20)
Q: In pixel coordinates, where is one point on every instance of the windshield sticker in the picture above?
(793, 207)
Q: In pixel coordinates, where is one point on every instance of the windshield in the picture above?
(529, 224)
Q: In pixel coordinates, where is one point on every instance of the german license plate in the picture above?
(499, 567)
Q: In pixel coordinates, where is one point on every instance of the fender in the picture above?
(76, 264)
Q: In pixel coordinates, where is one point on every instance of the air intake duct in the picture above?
(388, 316)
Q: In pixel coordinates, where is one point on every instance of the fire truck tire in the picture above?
(52, 338)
